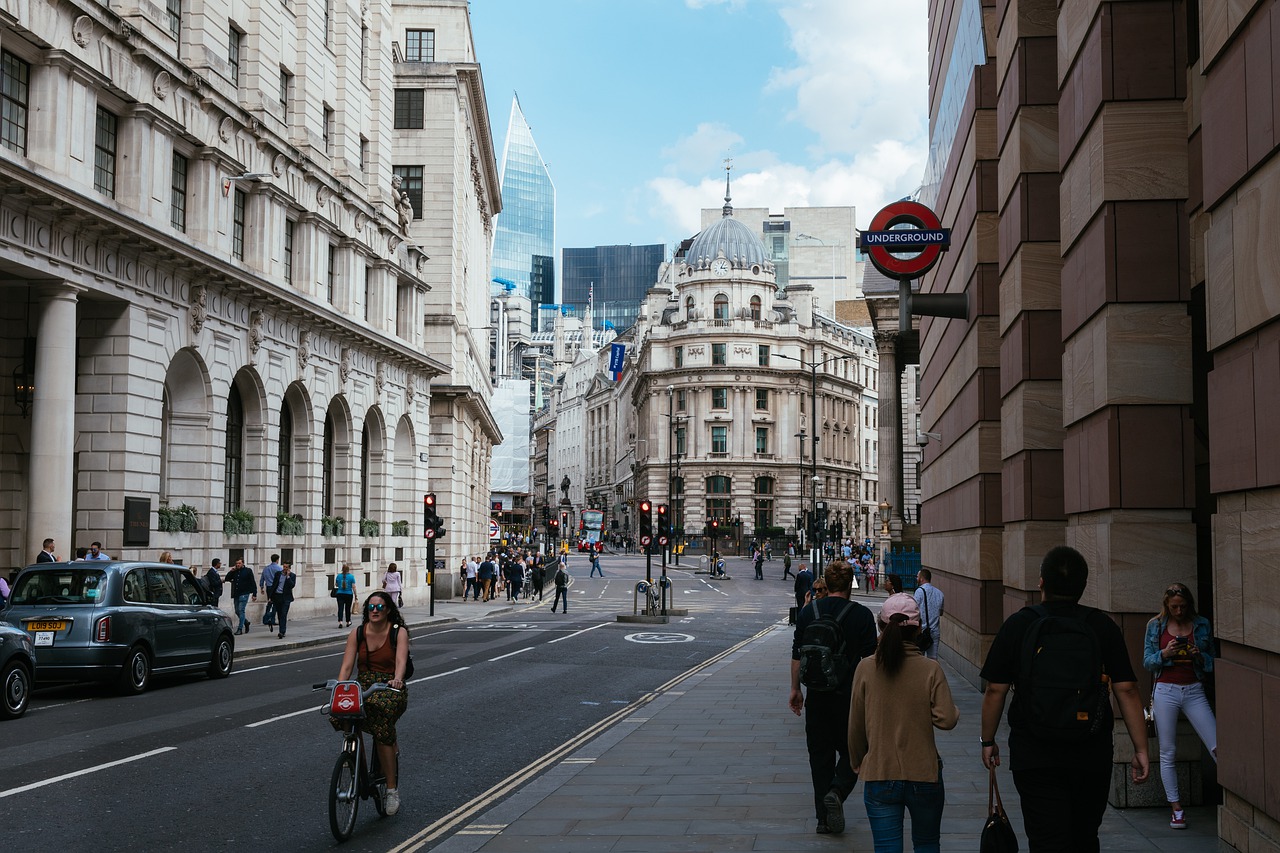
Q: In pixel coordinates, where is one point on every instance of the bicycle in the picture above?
(352, 781)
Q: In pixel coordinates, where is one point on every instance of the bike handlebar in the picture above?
(364, 693)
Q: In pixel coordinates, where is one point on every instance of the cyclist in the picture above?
(378, 659)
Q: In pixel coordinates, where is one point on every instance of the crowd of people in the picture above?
(518, 574)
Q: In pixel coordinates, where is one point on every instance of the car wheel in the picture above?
(135, 675)
(15, 683)
(220, 666)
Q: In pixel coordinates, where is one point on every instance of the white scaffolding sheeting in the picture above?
(511, 458)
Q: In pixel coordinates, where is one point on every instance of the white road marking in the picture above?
(512, 654)
(576, 633)
(440, 674)
(85, 772)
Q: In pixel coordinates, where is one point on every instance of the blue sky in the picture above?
(635, 104)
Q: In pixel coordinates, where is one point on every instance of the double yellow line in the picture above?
(464, 813)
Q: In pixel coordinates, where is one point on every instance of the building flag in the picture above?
(617, 354)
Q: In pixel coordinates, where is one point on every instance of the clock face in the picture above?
(720, 267)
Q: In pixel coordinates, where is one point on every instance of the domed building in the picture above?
(727, 399)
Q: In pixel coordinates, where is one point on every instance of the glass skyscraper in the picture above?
(618, 276)
(524, 239)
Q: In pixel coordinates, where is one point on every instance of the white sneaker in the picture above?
(392, 801)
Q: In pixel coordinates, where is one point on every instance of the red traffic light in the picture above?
(555, 522)
(662, 509)
(715, 523)
(429, 499)
(645, 506)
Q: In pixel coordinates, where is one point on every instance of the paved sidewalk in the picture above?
(718, 763)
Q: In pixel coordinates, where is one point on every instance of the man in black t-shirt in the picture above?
(826, 714)
(1063, 785)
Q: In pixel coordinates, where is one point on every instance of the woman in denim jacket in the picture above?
(1179, 653)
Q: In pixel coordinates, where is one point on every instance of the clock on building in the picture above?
(720, 267)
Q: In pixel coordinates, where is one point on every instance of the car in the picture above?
(119, 621)
(17, 671)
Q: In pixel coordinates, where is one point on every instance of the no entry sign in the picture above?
(928, 238)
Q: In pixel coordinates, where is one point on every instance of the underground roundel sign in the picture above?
(883, 242)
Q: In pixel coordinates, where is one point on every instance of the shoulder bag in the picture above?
(997, 834)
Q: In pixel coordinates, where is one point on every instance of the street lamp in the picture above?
(885, 508)
(673, 459)
(833, 247)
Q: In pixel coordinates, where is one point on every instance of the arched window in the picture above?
(755, 308)
(233, 456)
(366, 440)
(719, 504)
(327, 467)
(763, 504)
(166, 414)
(688, 308)
(284, 475)
(721, 307)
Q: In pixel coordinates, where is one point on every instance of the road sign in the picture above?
(928, 238)
(645, 540)
(662, 540)
(494, 530)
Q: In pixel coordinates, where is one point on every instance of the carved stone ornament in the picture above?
(379, 380)
(304, 350)
(361, 221)
(82, 30)
(393, 243)
(226, 129)
(255, 332)
(410, 389)
(344, 368)
(162, 85)
(199, 311)
(422, 264)
(322, 195)
(278, 164)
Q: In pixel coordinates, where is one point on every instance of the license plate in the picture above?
(47, 625)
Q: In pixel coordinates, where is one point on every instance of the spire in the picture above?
(728, 208)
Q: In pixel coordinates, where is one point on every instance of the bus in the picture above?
(591, 530)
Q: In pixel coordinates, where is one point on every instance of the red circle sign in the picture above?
(645, 540)
(904, 213)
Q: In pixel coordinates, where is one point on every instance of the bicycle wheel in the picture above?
(377, 782)
(344, 797)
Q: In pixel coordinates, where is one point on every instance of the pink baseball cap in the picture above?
(900, 603)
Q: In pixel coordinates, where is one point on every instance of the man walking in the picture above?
(826, 712)
(243, 588)
(786, 566)
(804, 583)
(758, 560)
(1063, 778)
(562, 589)
(267, 584)
(213, 580)
(929, 600)
(281, 591)
(595, 564)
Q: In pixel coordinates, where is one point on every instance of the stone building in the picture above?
(215, 292)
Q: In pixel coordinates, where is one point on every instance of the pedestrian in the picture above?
(473, 579)
(394, 584)
(165, 557)
(561, 581)
(818, 591)
(95, 552)
(513, 573)
(768, 550)
(5, 591)
(377, 652)
(826, 712)
(1179, 653)
(46, 554)
(930, 600)
(540, 576)
(344, 589)
(281, 592)
(892, 584)
(1062, 779)
(758, 560)
(595, 565)
(243, 588)
(786, 566)
(213, 580)
(265, 585)
(899, 698)
(803, 585)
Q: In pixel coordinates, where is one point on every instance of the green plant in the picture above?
(368, 528)
(332, 525)
(238, 522)
(181, 518)
(400, 528)
(289, 525)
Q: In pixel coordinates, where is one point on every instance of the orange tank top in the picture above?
(381, 659)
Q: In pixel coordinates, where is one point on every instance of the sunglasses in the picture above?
(378, 607)
(1176, 590)
(819, 589)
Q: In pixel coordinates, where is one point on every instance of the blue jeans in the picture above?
(885, 802)
(595, 567)
(242, 601)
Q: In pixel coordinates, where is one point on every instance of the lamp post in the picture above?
(885, 508)
(833, 247)
(673, 459)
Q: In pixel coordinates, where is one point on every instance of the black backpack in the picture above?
(395, 630)
(825, 664)
(1061, 691)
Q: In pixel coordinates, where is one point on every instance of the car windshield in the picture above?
(60, 586)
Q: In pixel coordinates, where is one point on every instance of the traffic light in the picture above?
(553, 528)
(432, 523)
(664, 521)
(646, 520)
(564, 523)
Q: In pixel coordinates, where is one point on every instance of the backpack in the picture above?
(824, 654)
(395, 629)
(1062, 691)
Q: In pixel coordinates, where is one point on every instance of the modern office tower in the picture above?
(524, 244)
(614, 279)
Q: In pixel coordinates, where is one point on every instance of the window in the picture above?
(755, 308)
(368, 294)
(178, 193)
(682, 400)
(762, 439)
(328, 461)
(762, 354)
(174, 8)
(327, 131)
(719, 439)
(15, 81)
(719, 398)
(286, 89)
(762, 398)
(411, 183)
(679, 356)
(332, 275)
(290, 227)
(328, 22)
(688, 308)
(721, 310)
(366, 448)
(718, 501)
(420, 46)
(284, 471)
(235, 40)
(680, 441)
(104, 154)
(237, 225)
(364, 155)
(410, 104)
(719, 353)
(764, 503)
(233, 453)
(364, 49)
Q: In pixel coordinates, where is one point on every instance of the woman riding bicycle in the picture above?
(380, 659)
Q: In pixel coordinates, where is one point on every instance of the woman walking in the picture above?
(394, 584)
(344, 587)
(899, 698)
(1179, 653)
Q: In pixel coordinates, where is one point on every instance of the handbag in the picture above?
(924, 640)
(333, 593)
(997, 834)
(1149, 713)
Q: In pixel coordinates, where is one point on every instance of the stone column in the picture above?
(889, 472)
(53, 422)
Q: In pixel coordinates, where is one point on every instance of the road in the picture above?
(245, 762)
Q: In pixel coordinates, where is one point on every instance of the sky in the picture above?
(636, 104)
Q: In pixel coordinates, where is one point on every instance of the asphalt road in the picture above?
(245, 762)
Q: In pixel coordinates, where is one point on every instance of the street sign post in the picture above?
(495, 530)
(922, 244)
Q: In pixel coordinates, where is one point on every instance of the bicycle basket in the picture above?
(346, 703)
